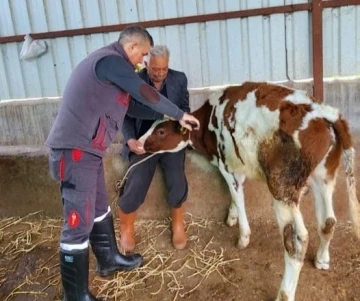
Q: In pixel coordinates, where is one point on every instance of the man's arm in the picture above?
(117, 71)
(128, 131)
(184, 105)
(138, 110)
(128, 128)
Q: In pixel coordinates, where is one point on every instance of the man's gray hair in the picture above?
(135, 32)
(160, 51)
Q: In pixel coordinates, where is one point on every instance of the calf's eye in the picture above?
(160, 132)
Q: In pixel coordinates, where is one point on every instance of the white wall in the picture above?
(274, 48)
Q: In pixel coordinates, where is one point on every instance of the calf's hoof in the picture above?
(243, 242)
(322, 265)
(231, 221)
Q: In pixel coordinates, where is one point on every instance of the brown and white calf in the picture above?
(284, 138)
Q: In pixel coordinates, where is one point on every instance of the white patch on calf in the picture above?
(226, 142)
(296, 139)
(320, 111)
(332, 134)
(179, 147)
(299, 97)
(320, 174)
(252, 125)
(329, 113)
(215, 94)
(261, 119)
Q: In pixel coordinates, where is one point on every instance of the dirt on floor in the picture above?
(210, 268)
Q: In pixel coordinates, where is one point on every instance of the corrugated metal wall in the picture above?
(276, 47)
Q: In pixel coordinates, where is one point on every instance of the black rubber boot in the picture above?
(103, 244)
(74, 270)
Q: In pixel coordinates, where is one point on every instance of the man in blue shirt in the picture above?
(173, 85)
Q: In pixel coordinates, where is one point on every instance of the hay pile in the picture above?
(165, 270)
(19, 237)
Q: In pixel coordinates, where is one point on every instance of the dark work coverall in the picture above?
(94, 104)
(172, 164)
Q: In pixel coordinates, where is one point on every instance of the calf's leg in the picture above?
(295, 241)
(237, 208)
(326, 220)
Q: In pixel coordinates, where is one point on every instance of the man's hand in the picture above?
(190, 122)
(135, 146)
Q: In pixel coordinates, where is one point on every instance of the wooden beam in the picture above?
(338, 3)
(164, 22)
(317, 53)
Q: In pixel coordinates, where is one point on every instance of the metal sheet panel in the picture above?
(341, 41)
(276, 47)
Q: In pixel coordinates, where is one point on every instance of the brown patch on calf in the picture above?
(204, 140)
(315, 140)
(288, 236)
(333, 159)
(236, 93)
(214, 120)
(343, 141)
(294, 246)
(291, 116)
(237, 152)
(229, 114)
(329, 226)
(222, 155)
(285, 167)
(341, 128)
(270, 96)
(209, 141)
(236, 183)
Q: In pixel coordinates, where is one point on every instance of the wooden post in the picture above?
(317, 53)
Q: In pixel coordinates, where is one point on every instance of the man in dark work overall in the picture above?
(100, 91)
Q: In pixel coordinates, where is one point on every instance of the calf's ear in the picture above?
(179, 129)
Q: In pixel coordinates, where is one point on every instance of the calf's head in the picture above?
(165, 136)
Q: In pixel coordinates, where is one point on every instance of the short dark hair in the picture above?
(134, 31)
(150, 38)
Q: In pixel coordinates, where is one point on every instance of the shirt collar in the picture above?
(121, 50)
